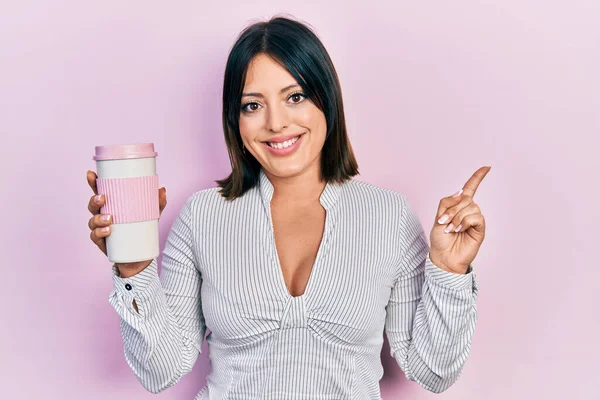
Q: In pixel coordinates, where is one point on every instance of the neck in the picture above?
(299, 189)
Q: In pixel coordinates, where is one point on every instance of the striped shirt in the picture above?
(372, 274)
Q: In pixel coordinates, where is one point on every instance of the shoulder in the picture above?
(203, 196)
(368, 204)
(210, 202)
(374, 197)
(207, 200)
(387, 207)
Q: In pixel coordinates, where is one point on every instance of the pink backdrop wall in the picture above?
(432, 92)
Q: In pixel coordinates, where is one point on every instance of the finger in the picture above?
(457, 221)
(450, 206)
(99, 238)
(162, 199)
(91, 178)
(99, 220)
(94, 205)
(474, 224)
(473, 183)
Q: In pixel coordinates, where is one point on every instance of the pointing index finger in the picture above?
(473, 183)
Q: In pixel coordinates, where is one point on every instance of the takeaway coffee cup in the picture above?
(127, 178)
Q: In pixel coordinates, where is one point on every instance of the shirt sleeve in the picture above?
(431, 313)
(163, 340)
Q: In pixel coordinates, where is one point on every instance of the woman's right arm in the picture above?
(163, 337)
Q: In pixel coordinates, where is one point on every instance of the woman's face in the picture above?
(276, 113)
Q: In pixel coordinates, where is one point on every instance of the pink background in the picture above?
(432, 92)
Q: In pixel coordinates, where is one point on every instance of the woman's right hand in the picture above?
(97, 224)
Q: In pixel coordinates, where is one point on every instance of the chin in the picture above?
(286, 168)
(286, 171)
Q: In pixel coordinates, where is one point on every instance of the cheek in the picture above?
(314, 119)
(320, 129)
(249, 127)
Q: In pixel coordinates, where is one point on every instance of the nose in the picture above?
(277, 118)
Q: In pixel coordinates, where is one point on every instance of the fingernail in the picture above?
(457, 193)
(458, 228)
(105, 229)
(443, 219)
(98, 198)
(105, 217)
(449, 228)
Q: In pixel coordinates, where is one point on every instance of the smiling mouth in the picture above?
(283, 145)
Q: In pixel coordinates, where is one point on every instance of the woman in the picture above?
(294, 266)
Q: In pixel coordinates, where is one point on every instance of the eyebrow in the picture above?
(281, 91)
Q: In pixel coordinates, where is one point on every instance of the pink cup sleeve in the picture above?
(130, 199)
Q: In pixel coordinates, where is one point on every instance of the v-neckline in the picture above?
(327, 199)
(313, 267)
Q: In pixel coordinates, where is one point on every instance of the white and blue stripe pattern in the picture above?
(372, 272)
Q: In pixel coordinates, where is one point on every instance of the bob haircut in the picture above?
(296, 48)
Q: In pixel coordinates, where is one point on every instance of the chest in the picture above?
(300, 267)
(298, 233)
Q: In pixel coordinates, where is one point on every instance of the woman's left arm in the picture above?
(432, 310)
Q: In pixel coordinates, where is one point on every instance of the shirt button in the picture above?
(127, 286)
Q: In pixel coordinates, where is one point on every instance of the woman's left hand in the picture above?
(451, 250)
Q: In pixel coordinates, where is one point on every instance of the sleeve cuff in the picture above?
(135, 286)
(448, 279)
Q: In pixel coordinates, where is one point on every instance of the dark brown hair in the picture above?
(297, 48)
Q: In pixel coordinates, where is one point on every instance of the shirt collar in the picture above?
(328, 198)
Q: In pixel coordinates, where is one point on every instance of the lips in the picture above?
(281, 139)
(290, 141)
(284, 151)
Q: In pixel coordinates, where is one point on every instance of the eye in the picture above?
(253, 106)
(297, 97)
(250, 107)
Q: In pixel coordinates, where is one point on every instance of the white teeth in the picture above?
(285, 144)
